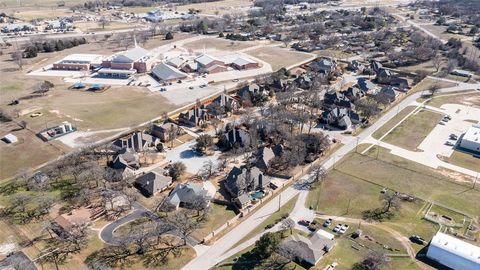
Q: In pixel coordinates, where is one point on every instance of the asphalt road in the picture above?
(208, 257)
(139, 211)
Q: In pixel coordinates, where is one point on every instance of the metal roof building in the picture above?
(454, 253)
(166, 72)
(130, 56)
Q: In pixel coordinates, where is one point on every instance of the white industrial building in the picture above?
(471, 139)
(454, 253)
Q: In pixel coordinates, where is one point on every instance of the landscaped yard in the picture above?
(411, 132)
(219, 214)
(285, 210)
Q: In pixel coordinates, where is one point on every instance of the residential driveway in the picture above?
(107, 236)
(192, 160)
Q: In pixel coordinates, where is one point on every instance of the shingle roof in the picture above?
(167, 72)
(152, 182)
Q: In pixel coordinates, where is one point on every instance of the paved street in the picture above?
(107, 236)
(213, 254)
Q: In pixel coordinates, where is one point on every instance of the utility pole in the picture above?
(356, 147)
(279, 200)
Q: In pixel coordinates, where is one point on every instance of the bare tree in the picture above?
(207, 170)
(437, 62)
(288, 224)
(390, 201)
(317, 174)
(17, 58)
(103, 21)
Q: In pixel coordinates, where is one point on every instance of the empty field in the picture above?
(392, 122)
(29, 152)
(464, 159)
(217, 7)
(411, 132)
(411, 178)
(279, 57)
(217, 44)
(28, 15)
(468, 99)
(95, 26)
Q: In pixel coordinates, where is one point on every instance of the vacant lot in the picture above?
(28, 15)
(217, 7)
(411, 132)
(29, 152)
(464, 159)
(392, 122)
(468, 99)
(219, 44)
(279, 57)
(411, 178)
(94, 26)
(427, 83)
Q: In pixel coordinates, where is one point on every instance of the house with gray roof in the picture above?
(341, 117)
(166, 130)
(152, 182)
(125, 163)
(138, 142)
(303, 81)
(244, 180)
(307, 251)
(168, 73)
(385, 76)
(264, 156)
(388, 92)
(323, 65)
(190, 194)
(194, 117)
(238, 136)
(367, 86)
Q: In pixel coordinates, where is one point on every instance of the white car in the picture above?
(343, 229)
(337, 228)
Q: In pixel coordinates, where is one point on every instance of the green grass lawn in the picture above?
(218, 216)
(409, 177)
(332, 198)
(411, 132)
(392, 122)
(286, 209)
(465, 160)
(466, 98)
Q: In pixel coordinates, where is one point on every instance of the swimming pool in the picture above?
(257, 195)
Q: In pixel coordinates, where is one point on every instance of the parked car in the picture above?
(343, 229)
(449, 143)
(417, 240)
(337, 228)
(235, 80)
(191, 87)
(304, 222)
(445, 119)
(327, 223)
(37, 114)
(446, 116)
(441, 123)
(453, 137)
